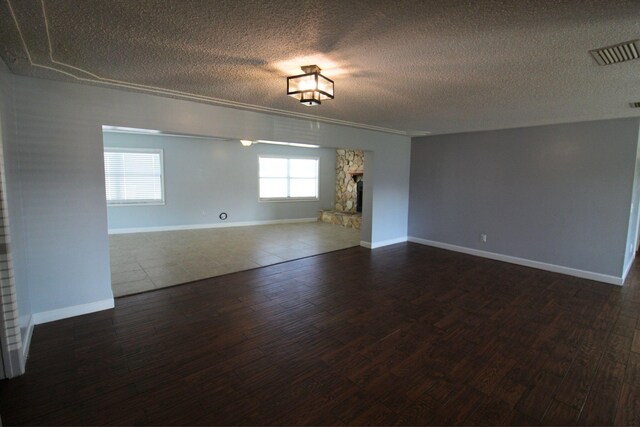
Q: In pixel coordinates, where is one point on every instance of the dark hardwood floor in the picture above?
(401, 335)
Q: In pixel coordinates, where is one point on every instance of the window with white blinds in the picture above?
(133, 176)
(287, 178)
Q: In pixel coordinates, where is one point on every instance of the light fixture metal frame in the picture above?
(312, 96)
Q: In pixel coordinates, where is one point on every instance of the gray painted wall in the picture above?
(14, 196)
(203, 178)
(59, 153)
(555, 194)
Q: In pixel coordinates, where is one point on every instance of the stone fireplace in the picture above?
(349, 189)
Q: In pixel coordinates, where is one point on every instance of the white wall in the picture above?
(14, 194)
(59, 157)
(13, 360)
(203, 178)
(634, 215)
(558, 195)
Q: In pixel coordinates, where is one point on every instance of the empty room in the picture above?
(182, 208)
(297, 213)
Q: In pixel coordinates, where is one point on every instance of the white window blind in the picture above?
(133, 176)
(285, 178)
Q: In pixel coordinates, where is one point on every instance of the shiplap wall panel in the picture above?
(12, 361)
(11, 338)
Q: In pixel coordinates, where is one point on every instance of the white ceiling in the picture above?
(440, 66)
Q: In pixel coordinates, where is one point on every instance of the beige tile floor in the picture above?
(145, 261)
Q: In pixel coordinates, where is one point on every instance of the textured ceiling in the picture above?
(438, 66)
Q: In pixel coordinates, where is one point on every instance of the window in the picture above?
(283, 178)
(133, 176)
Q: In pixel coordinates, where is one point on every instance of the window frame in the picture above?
(289, 198)
(161, 201)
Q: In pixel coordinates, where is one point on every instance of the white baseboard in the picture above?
(626, 270)
(614, 280)
(26, 339)
(382, 243)
(75, 310)
(213, 225)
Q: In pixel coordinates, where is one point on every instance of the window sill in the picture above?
(280, 200)
(113, 205)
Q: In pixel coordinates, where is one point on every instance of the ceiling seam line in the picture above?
(158, 90)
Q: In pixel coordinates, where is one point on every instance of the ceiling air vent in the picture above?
(635, 105)
(617, 53)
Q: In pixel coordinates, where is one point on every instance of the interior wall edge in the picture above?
(26, 338)
(634, 214)
(627, 270)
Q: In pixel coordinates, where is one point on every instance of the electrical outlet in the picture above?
(483, 238)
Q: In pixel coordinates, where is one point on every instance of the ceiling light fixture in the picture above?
(311, 87)
(246, 142)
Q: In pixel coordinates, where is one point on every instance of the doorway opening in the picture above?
(182, 208)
